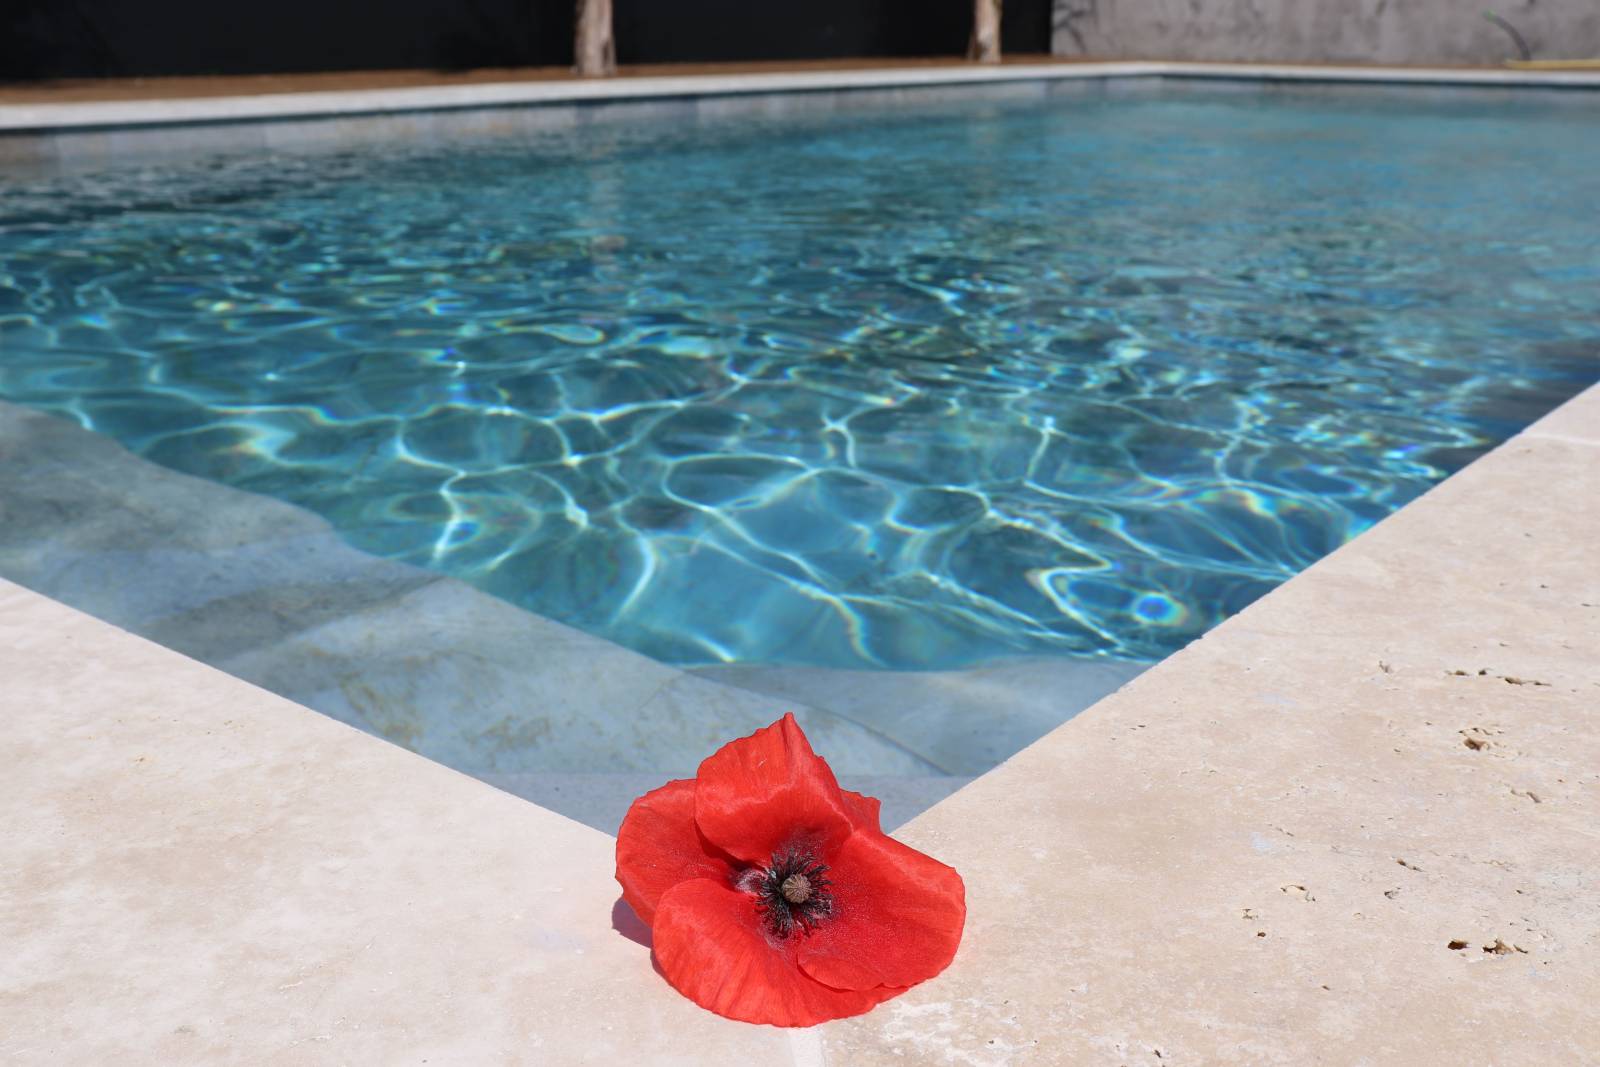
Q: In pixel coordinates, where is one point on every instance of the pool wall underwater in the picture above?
(1262, 850)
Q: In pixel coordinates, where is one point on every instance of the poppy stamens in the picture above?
(792, 893)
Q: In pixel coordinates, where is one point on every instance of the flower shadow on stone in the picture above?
(627, 923)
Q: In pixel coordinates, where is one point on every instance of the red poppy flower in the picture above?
(774, 896)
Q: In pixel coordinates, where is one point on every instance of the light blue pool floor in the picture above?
(939, 423)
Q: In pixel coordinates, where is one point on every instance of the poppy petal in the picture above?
(713, 946)
(658, 846)
(767, 792)
(897, 917)
(864, 811)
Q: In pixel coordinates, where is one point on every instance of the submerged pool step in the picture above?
(601, 800)
(268, 592)
(962, 721)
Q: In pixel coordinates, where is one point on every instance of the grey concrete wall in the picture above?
(1324, 31)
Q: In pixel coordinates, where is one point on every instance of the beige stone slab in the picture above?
(195, 871)
(1578, 419)
(1261, 850)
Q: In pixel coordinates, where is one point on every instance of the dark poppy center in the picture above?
(793, 893)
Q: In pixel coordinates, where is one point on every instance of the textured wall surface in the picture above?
(1324, 31)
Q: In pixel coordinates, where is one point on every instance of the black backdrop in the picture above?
(126, 38)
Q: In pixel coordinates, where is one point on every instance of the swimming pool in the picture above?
(917, 390)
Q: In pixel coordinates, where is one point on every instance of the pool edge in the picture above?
(85, 116)
(190, 880)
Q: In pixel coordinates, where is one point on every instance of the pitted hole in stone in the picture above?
(1456, 946)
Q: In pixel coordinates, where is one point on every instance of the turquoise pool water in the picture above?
(1081, 376)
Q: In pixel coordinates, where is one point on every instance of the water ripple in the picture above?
(902, 391)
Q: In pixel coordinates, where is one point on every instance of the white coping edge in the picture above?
(163, 112)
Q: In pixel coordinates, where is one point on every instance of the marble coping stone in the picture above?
(112, 114)
(1354, 824)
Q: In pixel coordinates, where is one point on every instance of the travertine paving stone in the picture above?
(1355, 824)
(196, 871)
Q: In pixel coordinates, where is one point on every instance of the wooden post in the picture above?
(985, 44)
(594, 49)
